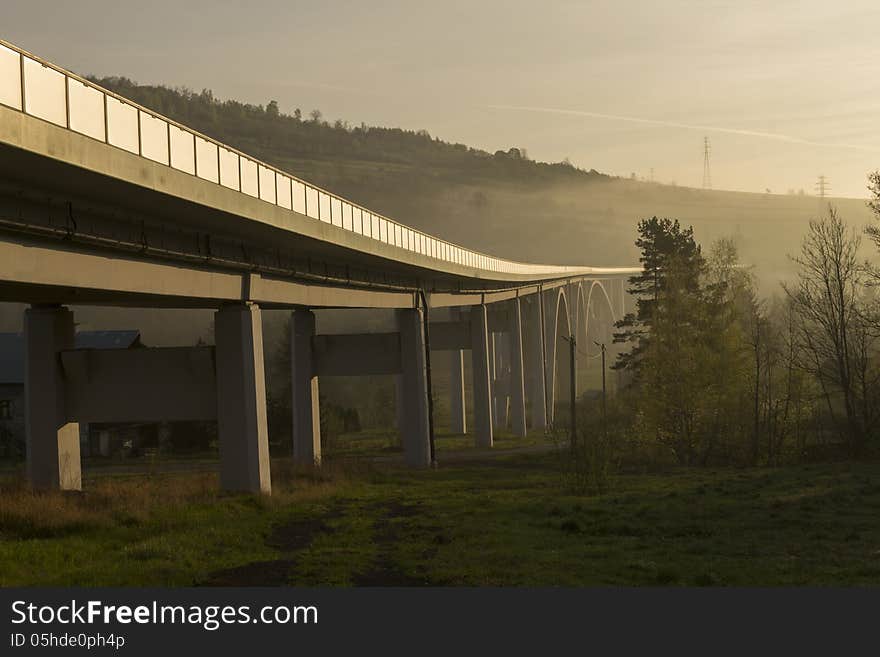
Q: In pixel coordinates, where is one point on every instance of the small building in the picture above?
(12, 430)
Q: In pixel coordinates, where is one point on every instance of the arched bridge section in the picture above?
(103, 201)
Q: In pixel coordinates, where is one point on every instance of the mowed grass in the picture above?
(504, 520)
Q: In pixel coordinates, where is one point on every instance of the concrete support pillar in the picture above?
(493, 376)
(241, 399)
(502, 376)
(52, 443)
(551, 347)
(482, 376)
(517, 382)
(537, 362)
(304, 390)
(457, 407)
(414, 389)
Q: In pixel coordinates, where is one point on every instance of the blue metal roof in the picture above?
(12, 349)
(107, 339)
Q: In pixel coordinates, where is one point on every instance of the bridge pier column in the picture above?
(413, 399)
(241, 399)
(304, 390)
(551, 347)
(482, 376)
(517, 383)
(536, 350)
(457, 406)
(52, 443)
(494, 340)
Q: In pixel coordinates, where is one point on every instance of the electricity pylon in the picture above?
(707, 173)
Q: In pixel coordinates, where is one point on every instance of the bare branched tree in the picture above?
(835, 334)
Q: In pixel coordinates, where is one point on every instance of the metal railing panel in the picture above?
(324, 209)
(183, 150)
(10, 77)
(44, 93)
(267, 184)
(207, 160)
(86, 109)
(154, 138)
(335, 211)
(249, 181)
(347, 217)
(229, 172)
(122, 125)
(298, 191)
(312, 205)
(282, 186)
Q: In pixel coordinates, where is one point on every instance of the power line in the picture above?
(822, 186)
(589, 355)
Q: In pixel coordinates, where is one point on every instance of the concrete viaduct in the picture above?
(104, 202)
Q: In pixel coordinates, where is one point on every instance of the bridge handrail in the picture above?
(20, 83)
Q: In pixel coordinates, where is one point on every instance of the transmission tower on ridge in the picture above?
(707, 173)
(822, 186)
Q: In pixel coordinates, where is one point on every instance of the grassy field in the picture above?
(504, 519)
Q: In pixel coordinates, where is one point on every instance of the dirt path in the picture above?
(288, 538)
(385, 571)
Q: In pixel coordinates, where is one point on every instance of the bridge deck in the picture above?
(81, 162)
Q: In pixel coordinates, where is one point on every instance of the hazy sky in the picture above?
(785, 91)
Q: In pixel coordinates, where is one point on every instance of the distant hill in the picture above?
(280, 138)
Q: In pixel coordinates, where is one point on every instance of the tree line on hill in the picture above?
(275, 137)
(719, 376)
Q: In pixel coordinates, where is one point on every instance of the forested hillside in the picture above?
(280, 138)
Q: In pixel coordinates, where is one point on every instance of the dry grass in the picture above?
(126, 500)
(106, 502)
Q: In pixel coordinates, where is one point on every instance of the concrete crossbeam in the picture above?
(357, 354)
(140, 385)
(450, 336)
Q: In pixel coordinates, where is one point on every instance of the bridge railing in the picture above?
(48, 92)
